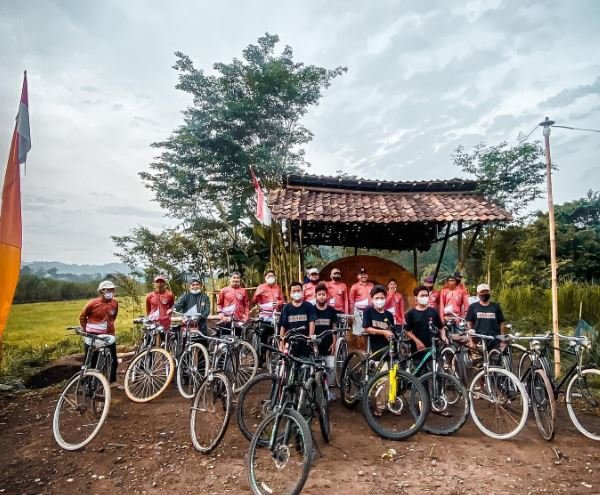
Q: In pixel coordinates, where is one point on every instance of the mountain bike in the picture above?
(498, 400)
(152, 369)
(83, 403)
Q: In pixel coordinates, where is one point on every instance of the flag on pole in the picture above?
(263, 214)
(10, 212)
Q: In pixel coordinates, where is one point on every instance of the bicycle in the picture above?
(194, 361)
(255, 333)
(83, 403)
(152, 369)
(582, 395)
(498, 399)
(341, 346)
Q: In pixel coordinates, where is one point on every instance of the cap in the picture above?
(458, 275)
(313, 271)
(106, 284)
(362, 270)
(160, 277)
(194, 279)
(482, 287)
(429, 280)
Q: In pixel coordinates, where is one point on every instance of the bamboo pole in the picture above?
(546, 124)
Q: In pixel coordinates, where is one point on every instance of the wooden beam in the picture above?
(439, 263)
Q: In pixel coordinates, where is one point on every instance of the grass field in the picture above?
(36, 333)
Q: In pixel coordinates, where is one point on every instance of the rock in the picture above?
(361, 473)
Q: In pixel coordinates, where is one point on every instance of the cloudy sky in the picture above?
(423, 78)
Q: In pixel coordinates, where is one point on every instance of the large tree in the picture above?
(246, 113)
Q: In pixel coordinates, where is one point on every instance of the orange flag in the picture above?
(10, 214)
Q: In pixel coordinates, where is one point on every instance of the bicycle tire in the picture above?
(461, 412)
(302, 434)
(322, 404)
(104, 362)
(207, 390)
(240, 378)
(524, 365)
(188, 365)
(341, 353)
(132, 389)
(352, 378)
(577, 418)
(543, 394)
(453, 364)
(242, 415)
(476, 397)
(416, 404)
(56, 427)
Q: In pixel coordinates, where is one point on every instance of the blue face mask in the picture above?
(296, 296)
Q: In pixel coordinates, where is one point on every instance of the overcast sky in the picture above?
(421, 80)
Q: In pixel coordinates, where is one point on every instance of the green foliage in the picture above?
(33, 288)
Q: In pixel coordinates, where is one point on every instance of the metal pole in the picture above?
(546, 124)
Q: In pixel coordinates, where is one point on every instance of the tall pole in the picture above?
(546, 124)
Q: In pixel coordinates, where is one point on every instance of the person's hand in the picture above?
(169, 311)
(420, 345)
(332, 348)
(388, 334)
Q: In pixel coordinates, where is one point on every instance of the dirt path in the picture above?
(145, 448)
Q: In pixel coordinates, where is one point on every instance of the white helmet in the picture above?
(106, 284)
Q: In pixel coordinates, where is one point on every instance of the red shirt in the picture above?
(234, 302)
(457, 300)
(309, 292)
(157, 305)
(338, 296)
(265, 296)
(434, 299)
(395, 305)
(99, 315)
(360, 296)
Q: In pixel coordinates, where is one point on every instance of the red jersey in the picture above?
(453, 301)
(395, 305)
(360, 296)
(157, 305)
(434, 299)
(309, 292)
(265, 296)
(234, 302)
(337, 292)
(99, 315)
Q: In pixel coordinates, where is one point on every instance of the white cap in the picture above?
(106, 284)
(313, 270)
(482, 287)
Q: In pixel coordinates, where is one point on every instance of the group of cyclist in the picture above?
(377, 310)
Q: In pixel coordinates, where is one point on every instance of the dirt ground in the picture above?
(146, 449)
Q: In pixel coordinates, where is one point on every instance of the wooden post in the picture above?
(439, 263)
(415, 264)
(461, 260)
(546, 124)
(300, 255)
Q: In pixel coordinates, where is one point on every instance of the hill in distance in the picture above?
(64, 268)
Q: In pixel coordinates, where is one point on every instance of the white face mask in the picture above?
(296, 296)
(108, 295)
(423, 300)
(379, 303)
(195, 291)
(270, 280)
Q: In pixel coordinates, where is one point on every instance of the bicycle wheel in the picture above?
(352, 379)
(254, 403)
(499, 403)
(283, 464)
(81, 410)
(453, 364)
(402, 417)
(192, 369)
(104, 362)
(448, 403)
(149, 374)
(245, 366)
(583, 402)
(210, 412)
(543, 404)
(341, 353)
(524, 365)
(322, 403)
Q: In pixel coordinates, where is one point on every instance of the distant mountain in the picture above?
(77, 269)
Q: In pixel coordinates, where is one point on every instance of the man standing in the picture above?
(452, 300)
(337, 292)
(268, 296)
(159, 303)
(359, 299)
(485, 316)
(310, 286)
(98, 317)
(421, 319)
(377, 321)
(195, 304)
(434, 295)
(395, 302)
(233, 300)
(297, 314)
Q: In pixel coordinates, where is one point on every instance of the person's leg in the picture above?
(113, 369)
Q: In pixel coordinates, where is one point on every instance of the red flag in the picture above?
(263, 214)
(10, 214)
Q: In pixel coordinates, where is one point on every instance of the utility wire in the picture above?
(522, 140)
(576, 128)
